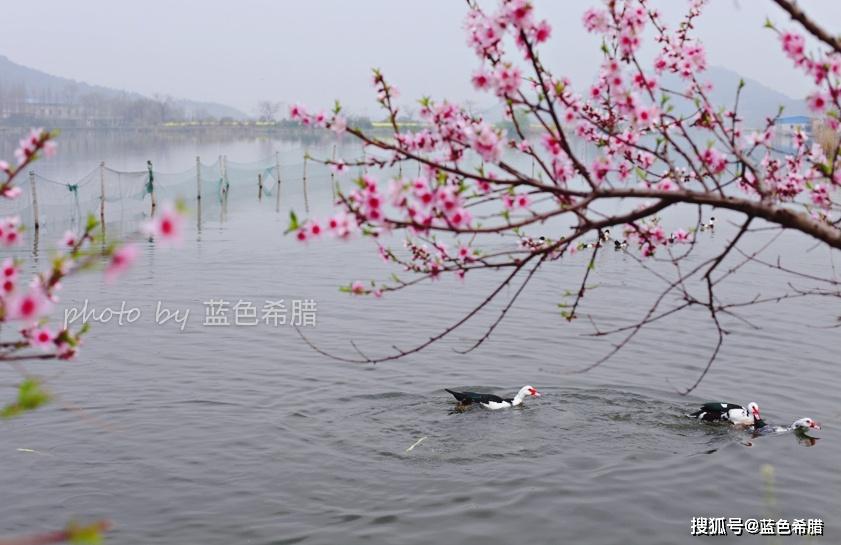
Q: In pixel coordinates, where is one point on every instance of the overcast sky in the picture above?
(239, 52)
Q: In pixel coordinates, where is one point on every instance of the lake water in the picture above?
(244, 434)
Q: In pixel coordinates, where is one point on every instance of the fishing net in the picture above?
(283, 182)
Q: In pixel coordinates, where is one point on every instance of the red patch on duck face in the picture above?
(532, 391)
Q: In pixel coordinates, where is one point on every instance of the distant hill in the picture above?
(42, 87)
(756, 103)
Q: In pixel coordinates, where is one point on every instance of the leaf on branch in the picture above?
(294, 225)
(90, 534)
(92, 223)
(30, 397)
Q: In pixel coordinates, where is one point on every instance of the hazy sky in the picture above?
(239, 52)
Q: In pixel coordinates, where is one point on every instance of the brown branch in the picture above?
(435, 338)
(811, 26)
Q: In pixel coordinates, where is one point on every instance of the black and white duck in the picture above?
(719, 411)
(493, 402)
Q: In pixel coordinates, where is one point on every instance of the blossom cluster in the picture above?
(36, 143)
(649, 144)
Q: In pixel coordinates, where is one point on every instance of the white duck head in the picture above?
(525, 391)
(806, 424)
(742, 417)
(753, 411)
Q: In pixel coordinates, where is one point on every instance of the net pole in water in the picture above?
(259, 187)
(151, 187)
(225, 184)
(102, 194)
(306, 199)
(34, 200)
(198, 180)
(277, 171)
(198, 193)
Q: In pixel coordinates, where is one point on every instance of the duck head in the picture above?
(753, 412)
(526, 391)
(806, 424)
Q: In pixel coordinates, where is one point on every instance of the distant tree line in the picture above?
(68, 107)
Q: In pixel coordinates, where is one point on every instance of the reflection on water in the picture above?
(244, 434)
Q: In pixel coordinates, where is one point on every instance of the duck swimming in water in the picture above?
(709, 226)
(491, 401)
(729, 412)
(801, 425)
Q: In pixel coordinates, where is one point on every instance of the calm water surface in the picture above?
(246, 435)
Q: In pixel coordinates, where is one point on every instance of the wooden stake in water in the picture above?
(221, 177)
(306, 198)
(225, 187)
(34, 200)
(198, 193)
(225, 184)
(151, 185)
(102, 194)
(198, 179)
(260, 187)
(277, 175)
(333, 176)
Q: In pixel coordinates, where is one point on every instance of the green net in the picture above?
(282, 181)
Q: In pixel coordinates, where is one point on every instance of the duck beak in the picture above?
(537, 394)
(816, 425)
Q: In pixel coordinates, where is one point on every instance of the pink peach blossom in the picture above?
(167, 226)
(42, 338)
(481, 80)
(121, 260)
(487, 143)
(28, 306)
(817, 102)
(12, 192)
(595, 20)
(680, 236)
